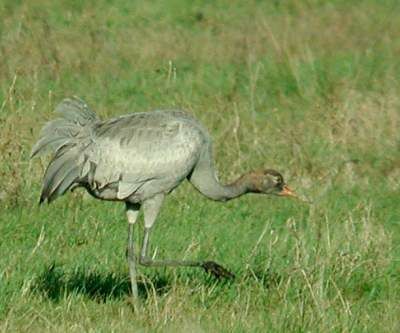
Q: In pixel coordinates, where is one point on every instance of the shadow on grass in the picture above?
(54, 283)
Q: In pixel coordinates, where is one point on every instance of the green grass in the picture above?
(310, 88)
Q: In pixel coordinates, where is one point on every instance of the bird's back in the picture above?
(135, 156)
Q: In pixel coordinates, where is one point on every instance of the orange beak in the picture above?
(287, 192)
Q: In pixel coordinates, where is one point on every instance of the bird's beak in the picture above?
(287, 192)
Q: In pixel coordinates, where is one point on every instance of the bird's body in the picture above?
(131, 158)
(137, 156)
(138, 159)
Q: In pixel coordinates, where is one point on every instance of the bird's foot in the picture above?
(217, 270)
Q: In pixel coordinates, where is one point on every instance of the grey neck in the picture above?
(206, 182)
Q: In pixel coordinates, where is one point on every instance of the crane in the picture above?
(138, 159)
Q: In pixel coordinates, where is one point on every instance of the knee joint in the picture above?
(145, 261)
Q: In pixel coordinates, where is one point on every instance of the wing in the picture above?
(160, 148)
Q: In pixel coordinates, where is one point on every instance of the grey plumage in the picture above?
(138, 158)
(128, 158)
(67, 138)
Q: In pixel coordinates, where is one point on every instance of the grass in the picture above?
(307, 87)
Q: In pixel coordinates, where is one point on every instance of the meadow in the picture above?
(310, 88)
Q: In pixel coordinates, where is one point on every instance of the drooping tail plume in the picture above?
(66, 138)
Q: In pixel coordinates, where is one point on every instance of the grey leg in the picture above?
(132, 212)
(151, 209)
(145, 260)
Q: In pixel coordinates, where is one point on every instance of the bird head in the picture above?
(271, 182)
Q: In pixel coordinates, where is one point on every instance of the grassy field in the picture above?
(310, 88)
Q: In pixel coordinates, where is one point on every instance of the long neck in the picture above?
(210, 187)
(240, 186)
(206, 182)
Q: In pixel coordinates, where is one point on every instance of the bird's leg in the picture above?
(151, 209)
(209, 266)
(145, 260)
(132, 212)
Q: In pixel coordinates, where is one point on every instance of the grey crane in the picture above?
(138, 159)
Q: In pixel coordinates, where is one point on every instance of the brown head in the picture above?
(269, 182)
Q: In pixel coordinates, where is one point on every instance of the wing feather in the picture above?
(137, 150)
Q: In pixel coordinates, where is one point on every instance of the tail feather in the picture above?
(59, 132)
(58, 126)
(48, 143)
(63, 185)
(76, 110)
(57, 171)
(67, 182)
(67, 138)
